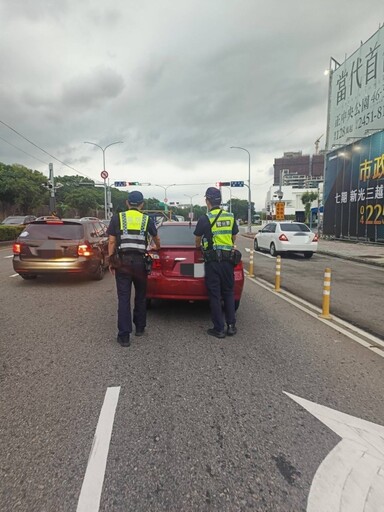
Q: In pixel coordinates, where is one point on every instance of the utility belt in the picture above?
(123, 259)
(216, 255)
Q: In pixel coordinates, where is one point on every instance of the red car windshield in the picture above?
(177, 234)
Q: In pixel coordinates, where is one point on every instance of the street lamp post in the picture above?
(106, 207)
(165, 188)
(249, 187)
(190, 209)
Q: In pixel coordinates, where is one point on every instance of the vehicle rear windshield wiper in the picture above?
(58, 238)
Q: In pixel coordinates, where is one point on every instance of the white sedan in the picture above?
(286, 236)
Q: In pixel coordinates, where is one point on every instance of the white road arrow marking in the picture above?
(351, 477)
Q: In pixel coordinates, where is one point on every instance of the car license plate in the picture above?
(192, 269)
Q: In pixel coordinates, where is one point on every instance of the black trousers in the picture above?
(132, 271)
(220, 282)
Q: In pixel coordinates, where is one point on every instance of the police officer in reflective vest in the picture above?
(129, 234)
(216, 233)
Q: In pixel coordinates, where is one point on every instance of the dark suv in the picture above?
(62, 246)
(17, 220)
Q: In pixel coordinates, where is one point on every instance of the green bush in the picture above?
(10, 232)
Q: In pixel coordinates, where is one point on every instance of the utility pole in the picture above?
(51, 186)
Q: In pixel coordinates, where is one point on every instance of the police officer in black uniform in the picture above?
(215, 233)
(129, 234)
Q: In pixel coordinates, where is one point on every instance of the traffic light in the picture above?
(133, 183)
(223, 184)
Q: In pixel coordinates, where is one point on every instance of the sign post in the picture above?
(104, 175)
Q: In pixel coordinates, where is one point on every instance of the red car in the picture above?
(178, 267)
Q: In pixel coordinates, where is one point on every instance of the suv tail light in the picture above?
(84, 250)
(315, 238)
(283, 238)
(16, 248)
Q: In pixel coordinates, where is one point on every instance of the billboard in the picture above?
(353, 195)
(356, 93)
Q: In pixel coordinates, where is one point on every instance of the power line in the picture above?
(32, 156)
(43, 150)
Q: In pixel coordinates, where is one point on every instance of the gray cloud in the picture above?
(178, 82)
(91, 90)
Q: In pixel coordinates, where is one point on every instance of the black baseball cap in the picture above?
(213, 194)
(135, 197)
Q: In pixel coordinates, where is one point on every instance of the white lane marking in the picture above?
(14, 275)
(350, 478)
(310, 310)
(5, 257)
(266, 255)
(89, 500)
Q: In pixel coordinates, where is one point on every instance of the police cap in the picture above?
(213, 194)
(135, 197)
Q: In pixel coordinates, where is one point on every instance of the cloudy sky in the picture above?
(177, 81)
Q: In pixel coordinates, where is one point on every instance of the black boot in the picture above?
(232, 329)
(124, 341)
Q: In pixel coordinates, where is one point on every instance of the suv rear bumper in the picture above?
(79, 265)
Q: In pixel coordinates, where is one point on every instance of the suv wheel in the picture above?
(256, 245)
(308, 255)
(28, 276)
(100, 271)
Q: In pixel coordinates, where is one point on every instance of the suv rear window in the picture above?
(177, 235)
(294, 227)
(45, 231)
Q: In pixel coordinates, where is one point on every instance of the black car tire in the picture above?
(308, 255)
(272, 250)
(100, 271)
(256, 245)
(28, 277)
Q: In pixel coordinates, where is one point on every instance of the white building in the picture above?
(291, 197)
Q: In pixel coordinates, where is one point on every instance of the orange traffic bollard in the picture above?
(278, 273)
(326, 294)
(250, 273)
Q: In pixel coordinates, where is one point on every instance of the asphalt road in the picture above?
(201, 424)
(356, 289)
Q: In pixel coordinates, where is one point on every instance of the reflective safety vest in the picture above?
(221, 230)
(133, 231)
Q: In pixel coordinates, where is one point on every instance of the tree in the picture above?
(21, 190)
(240, 208)
(307, 198)
(82, 200)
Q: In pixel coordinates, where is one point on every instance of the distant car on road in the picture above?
(61, 246)
(178, 267)
(18, 220)
(285, 237)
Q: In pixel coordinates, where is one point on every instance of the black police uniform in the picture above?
(219, 279)
(133, 270)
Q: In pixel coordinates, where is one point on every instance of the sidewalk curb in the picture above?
(338, 255)
(351, 258)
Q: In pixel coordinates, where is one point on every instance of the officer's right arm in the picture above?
(156, 239)
(152, 230)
